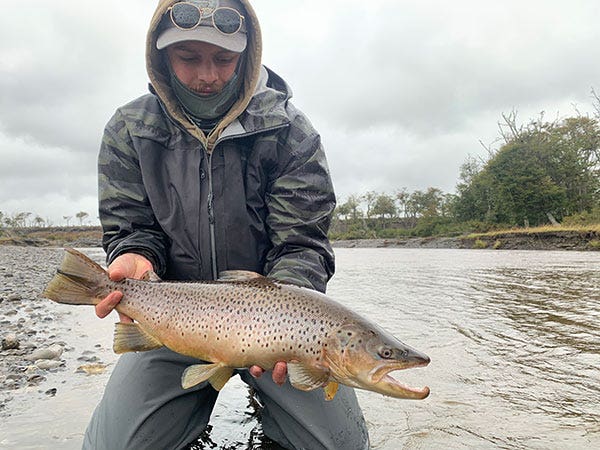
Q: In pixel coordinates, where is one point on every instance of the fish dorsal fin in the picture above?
(216, 374)
(307, 378)
(239, 275)
(131, 337)
(150, 275)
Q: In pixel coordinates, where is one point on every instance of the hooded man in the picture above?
(213, 170)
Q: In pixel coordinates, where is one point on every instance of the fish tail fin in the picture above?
(79, 281)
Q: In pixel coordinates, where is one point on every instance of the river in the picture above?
(513, 337)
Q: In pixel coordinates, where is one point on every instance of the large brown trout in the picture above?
(242, 320)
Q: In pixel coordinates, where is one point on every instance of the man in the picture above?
(213, 170)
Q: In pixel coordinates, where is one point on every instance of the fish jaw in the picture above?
(379, 380)
(362, 366)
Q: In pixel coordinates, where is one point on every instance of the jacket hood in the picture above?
(159, 73)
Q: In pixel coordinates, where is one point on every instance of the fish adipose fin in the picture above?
(216, 374)
(131, 337)
(307, 378)
(78, 281)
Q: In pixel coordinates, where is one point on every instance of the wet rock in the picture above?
(46, 364)
(51, 392)
(36, 379)
(88, 359)
(14, 298)
(51, 352)
(10, 342)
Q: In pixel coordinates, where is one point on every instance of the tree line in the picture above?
(543, 172)
(30, 220)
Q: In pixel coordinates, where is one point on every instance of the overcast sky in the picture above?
(401, 91)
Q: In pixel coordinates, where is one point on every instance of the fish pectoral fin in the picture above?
(131, 337)
(307, 378)
(239, 275)
(150, 275)
(216, 374)
(330, 390)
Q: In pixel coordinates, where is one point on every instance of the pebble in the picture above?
(46, 364)
(35, 379)
(10, 342)
(51, 392)
(51, 352)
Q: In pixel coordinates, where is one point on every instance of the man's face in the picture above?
(204, 68)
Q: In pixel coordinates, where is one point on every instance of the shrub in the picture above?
(479, 244)
(584, 218)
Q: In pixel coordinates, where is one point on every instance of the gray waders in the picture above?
(144, 407)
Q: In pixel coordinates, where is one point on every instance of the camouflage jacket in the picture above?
(261, 200)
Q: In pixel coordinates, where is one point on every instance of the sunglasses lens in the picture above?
(185, 15)
(227, 20)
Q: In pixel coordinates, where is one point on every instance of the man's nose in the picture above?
(207, 73)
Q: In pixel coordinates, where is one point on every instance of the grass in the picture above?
(593, 228)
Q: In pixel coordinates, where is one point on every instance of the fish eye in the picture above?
(385, 352)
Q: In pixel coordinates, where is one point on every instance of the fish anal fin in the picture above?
(150, 275)
(131, 337)
(216, 374)
(239, 275)
(330, 390)
(307, 378)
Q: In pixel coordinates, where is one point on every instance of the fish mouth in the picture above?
(384, 383)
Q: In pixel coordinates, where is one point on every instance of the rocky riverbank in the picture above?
(523, 240)
(35, 344)
(547, 239)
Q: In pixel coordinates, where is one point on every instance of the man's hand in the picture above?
(279, 372)
(127, 265)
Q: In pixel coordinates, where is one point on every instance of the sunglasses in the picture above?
(187, 16)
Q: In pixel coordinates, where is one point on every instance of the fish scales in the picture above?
(243, 320)
(238, 322)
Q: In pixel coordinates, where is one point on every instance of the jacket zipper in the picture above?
(211, 220)
(210, 199)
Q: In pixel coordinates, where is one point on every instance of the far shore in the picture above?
(546, 238)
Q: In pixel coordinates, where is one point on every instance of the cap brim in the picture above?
(232, 42)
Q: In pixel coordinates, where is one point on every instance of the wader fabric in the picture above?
(145, 408)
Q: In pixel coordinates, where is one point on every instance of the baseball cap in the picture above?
(205, 31)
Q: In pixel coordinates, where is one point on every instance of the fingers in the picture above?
(128, 265)
(280, 373)
(125, 319)
(122, 267)
(105, 307)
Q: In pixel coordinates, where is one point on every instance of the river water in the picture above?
(513, 337)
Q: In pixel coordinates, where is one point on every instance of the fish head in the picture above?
(364, 356)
